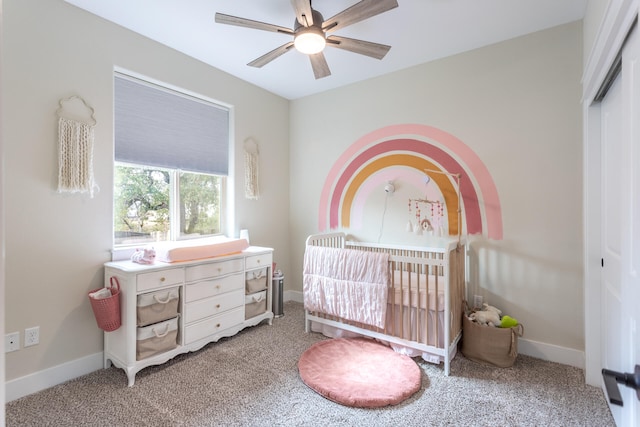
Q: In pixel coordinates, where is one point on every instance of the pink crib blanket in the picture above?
(346, 283)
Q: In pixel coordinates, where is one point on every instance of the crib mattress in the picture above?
(414, 290)
(200, 249)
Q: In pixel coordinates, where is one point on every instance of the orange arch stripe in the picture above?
(444, 183)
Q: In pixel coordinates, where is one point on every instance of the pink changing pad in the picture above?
(199, 249)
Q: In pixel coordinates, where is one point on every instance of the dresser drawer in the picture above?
(257, 261)
(161, 278)
(211, 288)
(213, 325)
(212, 306)
(214, 269)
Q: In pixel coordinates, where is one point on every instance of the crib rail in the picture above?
(327, 240)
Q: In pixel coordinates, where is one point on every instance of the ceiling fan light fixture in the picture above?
(309, 40)
(310, 29)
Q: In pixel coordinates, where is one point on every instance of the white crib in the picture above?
(426, 291)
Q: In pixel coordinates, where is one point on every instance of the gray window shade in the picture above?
(158, 127)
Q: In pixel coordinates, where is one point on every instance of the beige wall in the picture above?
(516, 104)
(56, 244)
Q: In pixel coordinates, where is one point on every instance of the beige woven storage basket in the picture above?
(488, 344)
(157, 306)
(157, 338)
(255, 304)
(256, 281)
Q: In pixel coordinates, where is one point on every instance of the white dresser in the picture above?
(191, 303)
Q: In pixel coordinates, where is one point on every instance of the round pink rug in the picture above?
(359, 372)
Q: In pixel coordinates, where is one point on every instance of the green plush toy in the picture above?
(508, 322)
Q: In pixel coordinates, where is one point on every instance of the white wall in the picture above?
(516, 104)
(56, 244)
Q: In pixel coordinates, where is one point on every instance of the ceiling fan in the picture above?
(310, 32)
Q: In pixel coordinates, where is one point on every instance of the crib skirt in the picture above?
(409, 323)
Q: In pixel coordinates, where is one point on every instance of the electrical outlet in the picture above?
(12, 342)
(477, 301)
(32, 336)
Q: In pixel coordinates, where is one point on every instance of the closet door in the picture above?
(620, 138)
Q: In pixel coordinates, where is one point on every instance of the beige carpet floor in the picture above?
(252, 380)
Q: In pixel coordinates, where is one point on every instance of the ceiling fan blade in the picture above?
(303, 12)
(221, 18)
(268, 57)
(374, 50)
(358, 12)
(319, 65)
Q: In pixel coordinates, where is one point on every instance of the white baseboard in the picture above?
(549, 352)
(293, 296)
(44, 379)
(552, 353)
(32, 383)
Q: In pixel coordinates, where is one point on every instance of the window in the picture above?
(171, 164)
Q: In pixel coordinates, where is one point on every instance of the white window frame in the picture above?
(227, 191)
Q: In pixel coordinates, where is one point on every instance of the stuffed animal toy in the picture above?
(484, 317)
(144, 256)
(487, 307)
(508, 322)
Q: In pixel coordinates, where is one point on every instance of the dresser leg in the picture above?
(131, 375)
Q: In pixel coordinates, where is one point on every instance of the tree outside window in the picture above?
(144, 204)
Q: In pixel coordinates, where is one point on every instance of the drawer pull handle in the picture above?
(164, 334)
(217, 305)
(258, 261)
(162, 279)
(218, 325)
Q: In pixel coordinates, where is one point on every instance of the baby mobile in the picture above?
(426, 216)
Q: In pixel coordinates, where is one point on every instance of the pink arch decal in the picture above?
(448, 163)
(478, 170)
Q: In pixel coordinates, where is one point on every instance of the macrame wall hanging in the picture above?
(75, 146)
(251, 169)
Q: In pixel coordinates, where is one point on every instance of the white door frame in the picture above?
(2, 269)
(618, 19)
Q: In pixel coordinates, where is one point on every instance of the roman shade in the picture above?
(156, 126)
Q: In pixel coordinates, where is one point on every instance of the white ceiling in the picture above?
(418, 31)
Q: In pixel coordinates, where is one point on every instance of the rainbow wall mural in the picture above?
(409, 150)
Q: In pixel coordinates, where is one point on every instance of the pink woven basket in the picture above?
(107, 310)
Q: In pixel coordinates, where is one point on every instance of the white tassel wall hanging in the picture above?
(75, 149)
(251, 190)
